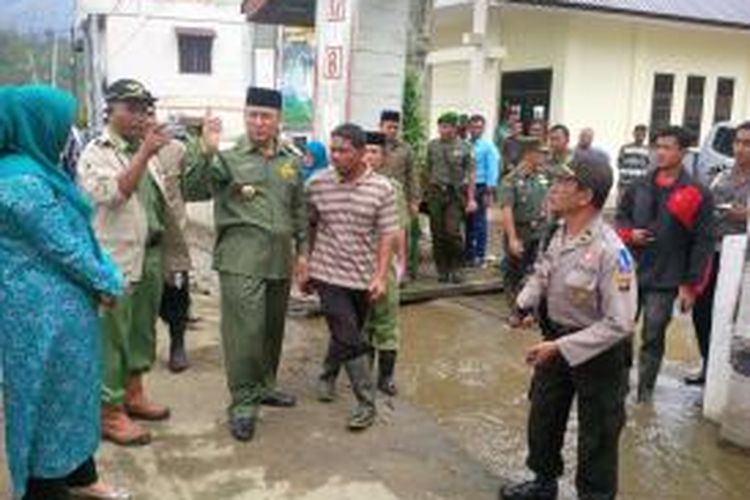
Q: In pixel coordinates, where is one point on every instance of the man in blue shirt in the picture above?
(488, 172)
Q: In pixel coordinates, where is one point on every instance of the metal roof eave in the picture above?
(628, 12)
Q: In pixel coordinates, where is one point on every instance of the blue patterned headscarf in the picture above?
(319, 159)
(35, 121)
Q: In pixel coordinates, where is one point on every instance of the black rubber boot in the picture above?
(327, 383)
(538, 489)
(360, 375)
(178, 361)
(386, 368)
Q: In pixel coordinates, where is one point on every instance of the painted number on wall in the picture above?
(336, 10)
(333, 63)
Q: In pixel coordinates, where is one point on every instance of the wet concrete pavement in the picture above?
(465, 367)
(456, 432)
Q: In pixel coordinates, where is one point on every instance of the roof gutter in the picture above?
(557, 4)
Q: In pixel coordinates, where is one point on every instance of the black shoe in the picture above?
(279, 399)
(444, 278)
(386, 367)
(457, 277)
(697, 379)
(538, 489)
(242, 428)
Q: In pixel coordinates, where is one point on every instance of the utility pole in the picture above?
(53, 62)
(73, 62)
(32, 67)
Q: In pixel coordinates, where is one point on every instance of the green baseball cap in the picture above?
(127, 89)
(449, 118)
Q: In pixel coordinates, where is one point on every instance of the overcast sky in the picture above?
(36, 15)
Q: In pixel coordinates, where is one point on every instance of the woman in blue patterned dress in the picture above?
(53, 277)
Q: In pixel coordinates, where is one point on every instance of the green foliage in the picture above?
(26, 58)
(414, 131)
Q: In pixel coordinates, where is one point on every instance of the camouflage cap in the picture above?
(127, 89)
(531, 144)
(449, 118)
(592, 170)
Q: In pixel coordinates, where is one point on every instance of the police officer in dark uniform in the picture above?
(583, 292)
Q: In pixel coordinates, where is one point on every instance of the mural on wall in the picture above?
(298, 77)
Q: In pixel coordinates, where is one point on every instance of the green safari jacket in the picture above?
(259, 207)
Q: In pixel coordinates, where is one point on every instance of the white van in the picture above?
(716, 154)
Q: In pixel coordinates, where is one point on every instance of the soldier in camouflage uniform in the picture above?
(560, 154)
(523, 197)
(450, 167)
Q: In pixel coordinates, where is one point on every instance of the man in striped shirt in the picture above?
(353, 221)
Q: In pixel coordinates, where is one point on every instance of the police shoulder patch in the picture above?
(625, 270)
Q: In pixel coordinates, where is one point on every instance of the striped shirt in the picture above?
(349, 218)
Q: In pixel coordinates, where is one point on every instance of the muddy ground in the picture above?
(456, 432)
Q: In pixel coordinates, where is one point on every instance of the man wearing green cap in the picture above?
(259, 213)
(522, 198)
(583, 292)
(121, 173)
(450, 168)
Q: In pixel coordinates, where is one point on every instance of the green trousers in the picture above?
(382, 326)
(146, 302)
(446, 214)
(116, 327)
(414, 235)
(253, 314)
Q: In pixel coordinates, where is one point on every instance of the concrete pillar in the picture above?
(476, 40)
(484, 66)
(361, 59)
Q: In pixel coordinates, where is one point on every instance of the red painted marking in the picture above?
(336, 10)
(333, 62)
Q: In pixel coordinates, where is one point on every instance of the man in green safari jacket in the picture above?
(259, 213)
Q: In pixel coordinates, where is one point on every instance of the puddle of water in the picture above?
(461, 363)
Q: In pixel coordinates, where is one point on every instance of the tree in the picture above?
(414, 131)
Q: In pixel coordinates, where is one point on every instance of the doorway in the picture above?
(526, 94)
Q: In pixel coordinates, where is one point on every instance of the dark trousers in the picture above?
(657, 306)
(175, 303)
(600, 386)
(475, 247)
(345, 311)
(57, 488)
(703, 311)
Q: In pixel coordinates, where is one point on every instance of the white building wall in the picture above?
(378, 59)
(603, 65)
(140, 41)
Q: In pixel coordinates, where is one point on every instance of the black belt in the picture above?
(154, 240)
(552, 330)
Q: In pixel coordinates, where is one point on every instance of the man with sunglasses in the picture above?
(120, 172)
(583, 293)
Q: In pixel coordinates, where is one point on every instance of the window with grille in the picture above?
(661, 101)
(724, 100)
(195, 53)
(696, 86)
